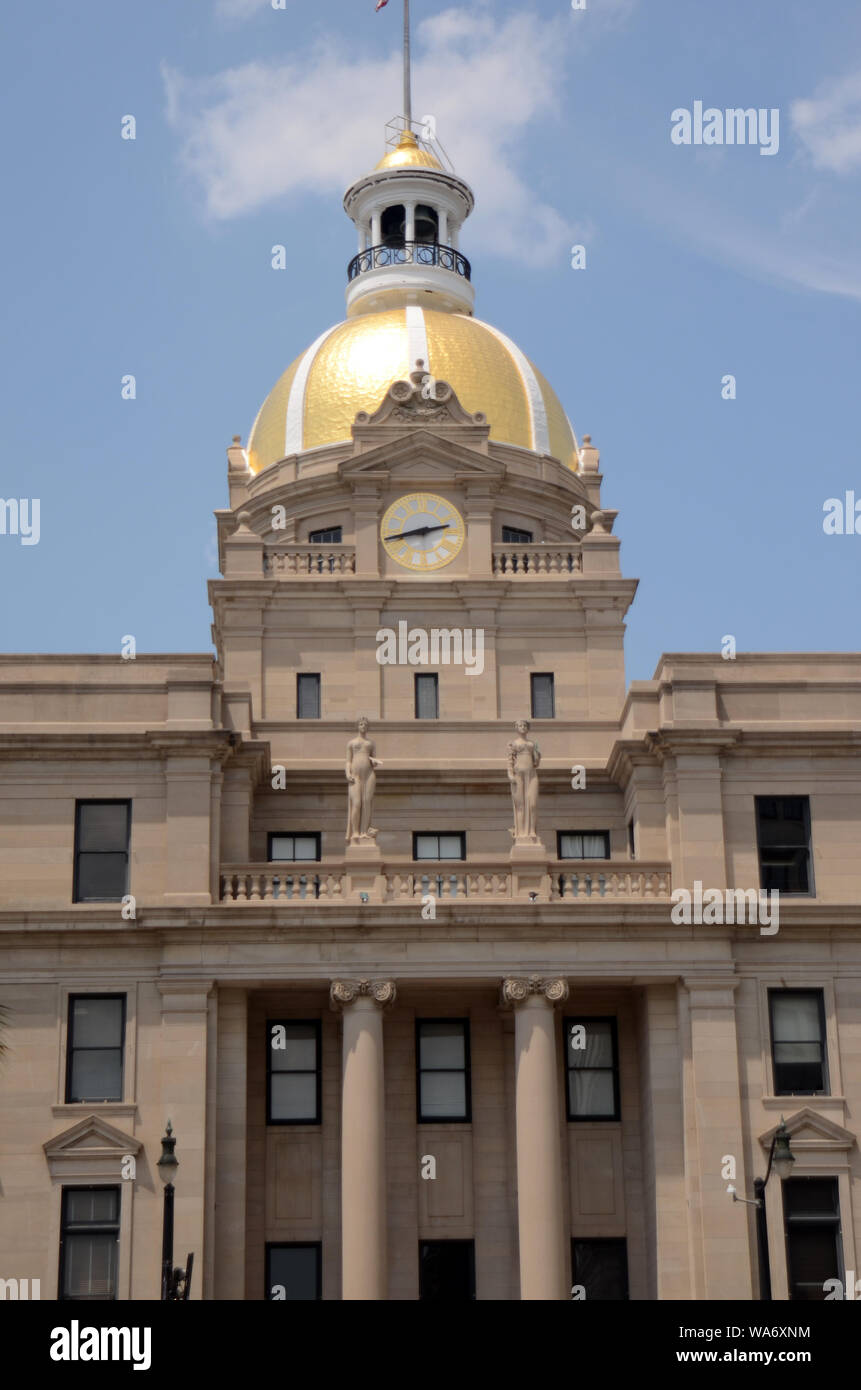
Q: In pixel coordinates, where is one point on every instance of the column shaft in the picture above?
(363, 1161)
(540, 1207)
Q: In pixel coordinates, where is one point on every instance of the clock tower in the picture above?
(412, 465)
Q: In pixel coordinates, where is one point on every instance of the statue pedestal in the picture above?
(530, 870)
(363, 864)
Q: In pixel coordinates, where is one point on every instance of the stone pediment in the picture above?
(422, 402)
(422, 458)
(91, 1142)
(809, 1130)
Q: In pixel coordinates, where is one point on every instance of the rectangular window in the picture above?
(439, 845)
(102, 830)
(543, 697)
(446, 1271)
(798, 1042)
(296, 847)
(307, 696)
(783, 838)
(811, 1208)
(592, 1057)
(89, 1243)
(512, 536)
(293, 1072)
(95, 1042)
(442, 1067)
(330, 536)
(294, 1273)
(427, 697)
(632, 841)
(600, 1267)
(583, 844)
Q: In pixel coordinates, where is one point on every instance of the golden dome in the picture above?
(351, 366)
(407, 154)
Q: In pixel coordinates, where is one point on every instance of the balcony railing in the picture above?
(519, 561)
(309, 559)
(410, 253)
(487, 880)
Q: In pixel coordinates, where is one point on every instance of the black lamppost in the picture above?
(781, 1159)
(167, 1166)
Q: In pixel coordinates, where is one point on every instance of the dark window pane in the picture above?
(102, 876)
(601, 1267)
(332, 536)
(103, 825)
(442, 1045)
(99, 1206)
(97, 1022)
(783, 837)
(294, 1071)
(293, 1274)
(446, 1271)
(308, 697)
(294, 848)
(427, 846)
(811, 1207)
(427, 697)
(811, 1197)
(443, 1095)
(90, 1266)
(300, 1050)
(89, 1243)
(798, 1043)
(597, 1038)
(294, 1096)
(591, 1093)
(543, 704)
(592, 1063)
(96, 1075)
(511, 536)
(442, 1056)
(589, 844)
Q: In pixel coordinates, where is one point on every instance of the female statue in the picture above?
(361, 772)
(524, 757)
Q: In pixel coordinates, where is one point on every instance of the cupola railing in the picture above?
(410, 253)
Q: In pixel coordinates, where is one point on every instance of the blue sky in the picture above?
(152, 257)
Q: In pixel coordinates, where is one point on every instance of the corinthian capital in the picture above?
(516, 989)
(344, 992)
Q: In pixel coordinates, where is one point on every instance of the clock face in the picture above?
(422, 531)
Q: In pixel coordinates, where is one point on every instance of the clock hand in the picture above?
(419, 531)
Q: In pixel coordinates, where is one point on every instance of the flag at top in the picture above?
(381, 3)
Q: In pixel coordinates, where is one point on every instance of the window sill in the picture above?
(799, 1100)
(104, 1107)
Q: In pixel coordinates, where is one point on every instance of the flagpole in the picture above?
(408, 101)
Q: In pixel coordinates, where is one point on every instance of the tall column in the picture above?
(363, 1137)
(720, 1234)
(540, 1208)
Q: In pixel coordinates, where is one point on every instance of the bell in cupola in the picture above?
(426, 226)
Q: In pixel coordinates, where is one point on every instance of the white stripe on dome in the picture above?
(294, 431)
(534, 398)
(417, 338)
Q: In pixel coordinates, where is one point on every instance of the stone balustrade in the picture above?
(528, 561)
(402, 881)
(294, 561)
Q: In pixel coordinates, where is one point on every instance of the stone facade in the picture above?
(212, 939)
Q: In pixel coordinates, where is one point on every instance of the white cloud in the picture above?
(260, 132)
(829, 124)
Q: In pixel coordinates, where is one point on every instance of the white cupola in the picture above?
(408, 214)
